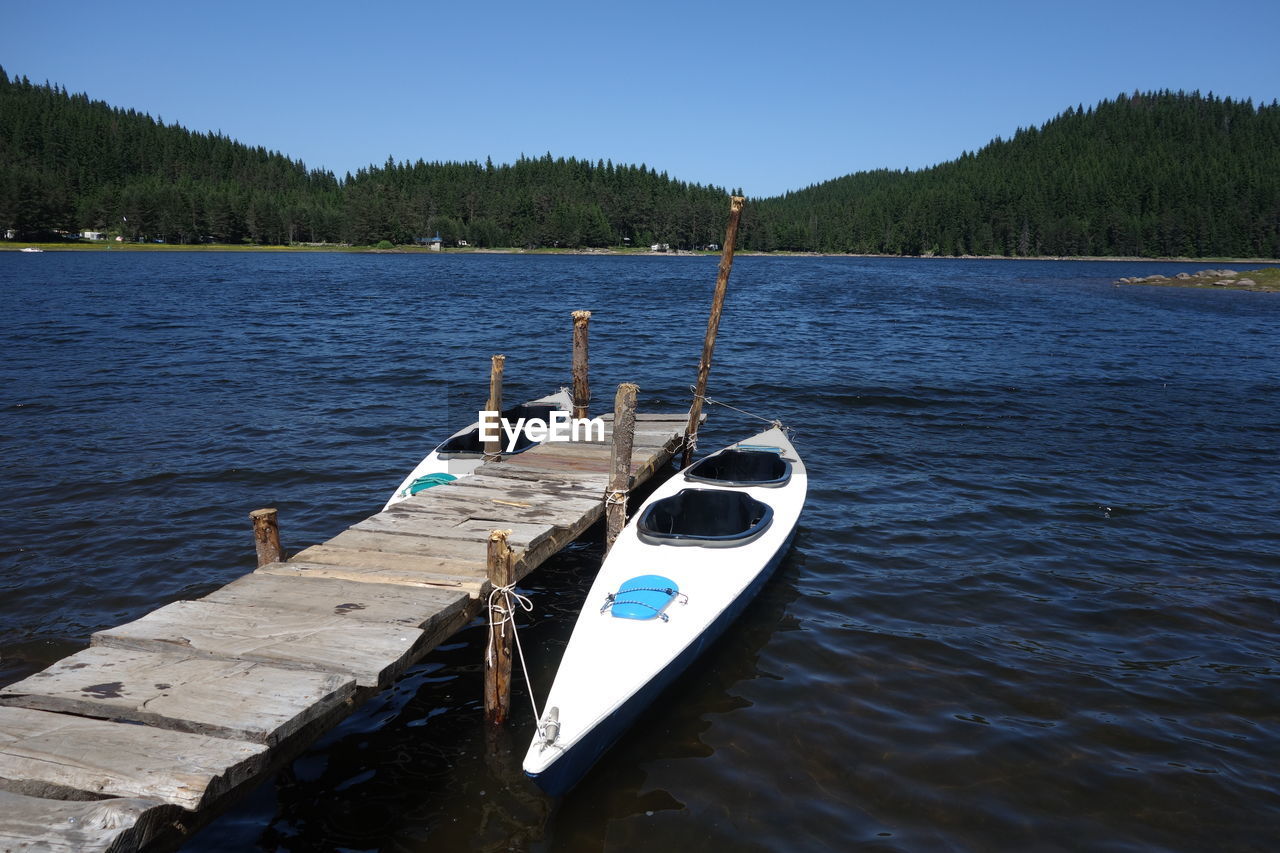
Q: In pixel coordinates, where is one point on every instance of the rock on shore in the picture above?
(1267, 280)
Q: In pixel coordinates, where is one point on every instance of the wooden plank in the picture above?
(677, 418)
(579, 466)
(416, 607)
(424, 564)
(373, 653)
(519, 496)
(571, 449)
(229, 699)
(99, 826)
(545, 514)
(575, 479)
(427, 527)
(544, 511)
(60, 756)
(376, 574)
(531, 489)
(436, 555)
(400, 534)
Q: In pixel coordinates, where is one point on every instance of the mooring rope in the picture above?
(774, 422)
(616, 496)
(507, 614)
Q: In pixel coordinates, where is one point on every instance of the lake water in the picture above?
(1033, 602)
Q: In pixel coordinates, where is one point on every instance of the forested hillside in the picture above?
(1147, 174)
(71, 164)
(1157, 174)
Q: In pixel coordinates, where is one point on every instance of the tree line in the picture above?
(1157, 173)
(1154, 174)
(70, 164)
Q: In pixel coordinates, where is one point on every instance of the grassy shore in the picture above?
(1266, 280)
(13, 246)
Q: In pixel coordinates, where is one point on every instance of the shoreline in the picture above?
(7, 246)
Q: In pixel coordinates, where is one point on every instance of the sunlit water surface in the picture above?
(1032, 603)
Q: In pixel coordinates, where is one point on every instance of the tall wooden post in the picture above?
(497, 658)
(581, 389)
(493, 448)
(266, 536)
(713, 326)
(624, 428)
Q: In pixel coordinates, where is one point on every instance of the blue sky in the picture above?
(769, 97)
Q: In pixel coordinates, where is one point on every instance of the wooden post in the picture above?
(493, 448)
(624, 428)
(266, 536)
(581, 389)
(497, 659)
(713, 325)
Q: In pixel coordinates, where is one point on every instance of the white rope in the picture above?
(774, 422)
(500, 615)
(616, 496)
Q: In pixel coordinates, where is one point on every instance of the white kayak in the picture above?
(682, 569)
(463, 452)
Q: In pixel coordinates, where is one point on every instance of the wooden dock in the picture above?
(141, 738)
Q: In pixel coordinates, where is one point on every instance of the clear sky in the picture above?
(769, 97)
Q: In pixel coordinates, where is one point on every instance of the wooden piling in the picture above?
(497, 660)
(624, 428)
(581, 388)
(494, 447)
(266, 536)
(713, 326)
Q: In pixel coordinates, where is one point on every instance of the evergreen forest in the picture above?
(1146, 174)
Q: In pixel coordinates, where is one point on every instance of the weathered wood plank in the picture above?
(582, 480)
(559, 465)
(229, 699)
(569, 449)
(457, 561)
(376, 574)
(373, 653)
(416, 607)
(427, 526)
(437, 555)
(496, 490)
(676, 418)
(62, 826)
(543, 511)
(389, 567)
(66, 757)
(399, 534)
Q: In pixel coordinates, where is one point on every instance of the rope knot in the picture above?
(503, 603)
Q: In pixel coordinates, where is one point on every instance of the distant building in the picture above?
(432, 243)
(9, 234)
(93, 235)
(462, 243)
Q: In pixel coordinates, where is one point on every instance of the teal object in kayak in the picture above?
(426, 481)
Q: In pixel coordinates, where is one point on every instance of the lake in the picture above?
(1033, 602)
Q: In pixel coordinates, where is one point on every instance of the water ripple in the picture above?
(1033, 603)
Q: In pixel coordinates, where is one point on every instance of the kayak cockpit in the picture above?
(704, 517)
(734, 467)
